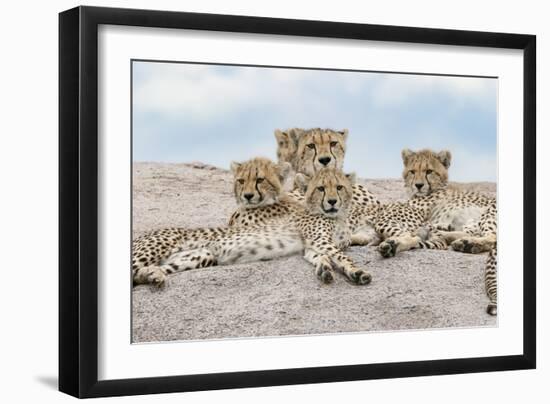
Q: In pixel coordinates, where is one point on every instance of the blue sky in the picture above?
(218, 114)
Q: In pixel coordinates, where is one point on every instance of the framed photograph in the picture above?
(250, 201)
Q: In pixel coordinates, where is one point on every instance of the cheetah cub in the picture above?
(310, 150)
(259, 192)
(318, 229)
(467, 220)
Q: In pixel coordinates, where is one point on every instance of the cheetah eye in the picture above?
(241, 181)
(412, 172)
(334, 143)
(259, 180)
(311, 145)
(321, 189)
(429, 171)
(340, 187)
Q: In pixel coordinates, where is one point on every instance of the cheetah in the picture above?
(465, 220)
(318, 229)
(309, 150)
(468, 219)
(259, 192)
(287, 144)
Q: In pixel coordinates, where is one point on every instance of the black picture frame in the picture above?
(78, 200)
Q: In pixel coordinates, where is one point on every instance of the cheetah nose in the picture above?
(248, 196)
(332, 201)
(324, 160)
(419, 186)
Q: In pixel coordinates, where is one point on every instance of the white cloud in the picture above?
(170, 89)
(396, 90)
(468, 166)
(205, 92)
(202, 92)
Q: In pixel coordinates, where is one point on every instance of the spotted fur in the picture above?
(318, 148)
(318, 229)
(266, 200)
(258, 181)
(287, 145)
(491, 280)
(307, 150)
(466, 220)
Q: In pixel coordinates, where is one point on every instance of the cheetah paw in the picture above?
(492, 309)
(387, 248)
(361, 277)
(467, 246)
(324, 273)
(327, 277)
(156, 277)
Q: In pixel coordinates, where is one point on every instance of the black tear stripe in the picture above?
(314, 156)
(428, 181)
(339, 197)
(337, 192)
(258, 189)
(333, 156)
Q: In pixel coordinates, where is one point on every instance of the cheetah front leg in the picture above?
(322, 264)
(473, 244)
(348, 267)
(395, 238)
(469, 242)
(391, 246)
(325, 247)
(486, 237)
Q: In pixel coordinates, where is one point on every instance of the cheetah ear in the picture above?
(284, 170)
(295, 134)
(344, 133)
(235, 166)
(281, 136)
(445, 157)
(406, 154)
(301, 181)
(351, 178)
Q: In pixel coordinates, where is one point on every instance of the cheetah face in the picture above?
(425, 171)
(328, 193)
(320, 148)
(287, 144)
(258, 182)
